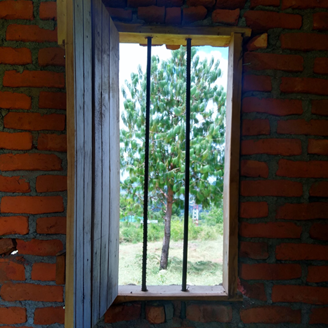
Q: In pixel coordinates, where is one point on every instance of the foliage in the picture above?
(167, 137)
(167, 131)
(133, 233)
(213, 217)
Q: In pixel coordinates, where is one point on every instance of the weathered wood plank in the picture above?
(231, 167)
(61, 22)
(216, 36)
(98, 154)
(105, 77)
(114, 163)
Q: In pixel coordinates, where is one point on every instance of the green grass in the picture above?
(204, 262)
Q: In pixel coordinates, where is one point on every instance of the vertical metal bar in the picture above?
(186, 207)
(145, 208)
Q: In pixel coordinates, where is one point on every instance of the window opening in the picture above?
(199, 219)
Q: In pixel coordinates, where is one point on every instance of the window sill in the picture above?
(131, 293)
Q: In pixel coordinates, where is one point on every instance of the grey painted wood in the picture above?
(97, 208)
(79, 273)
(114, 163)
(96, 199)
(105, 55)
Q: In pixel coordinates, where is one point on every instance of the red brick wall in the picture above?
(284, 164)
(32, 163)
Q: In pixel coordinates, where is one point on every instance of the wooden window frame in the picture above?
(217, 37)
(231, 37)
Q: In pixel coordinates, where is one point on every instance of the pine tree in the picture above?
(167, 136)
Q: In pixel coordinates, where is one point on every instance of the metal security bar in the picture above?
(145, 209)
(187, 173)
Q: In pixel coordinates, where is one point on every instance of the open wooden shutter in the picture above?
(92, 75)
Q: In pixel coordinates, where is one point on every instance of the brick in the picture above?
(317, 273)
(303, 4)
(273, 3)
(318, 147)
(261, 21)
(35, 79)
(32, 204)
(115, 3)
(321, 65)
(39, 247)
(255, 290)
(11, 100)
(253, 210)
(319, 315)
(44, 271)
(300, 252)
(12, 225)
(15, 56)
(193, 14)
(30, 33)
(35, 121)
(152, 14)
(10, 270)
(312, 127)
(173, 16)
(320, 107)
(141, 3)
(16, 10)
(51, 56)
(50, 183)
(12, 315)
(170, 3)
(117, 313)
(120, 14)
(319, 189)
(270, 230)
(304, 41)
(230, 4)
(206, 3)
(48, 10)
(299, 294)
(256, 251)
(319, 231)
(30, 162)
(254, 169)
(263, 61)
(52, 142)
(271, 314)
(6, 246)
(257, 83)
(309, 211)
(226, 16)
(298, 169)
(30, 292)
(208, 313)
(277, 188)
(320, 21)
(49, 315)
(16, 141)
(255, 127)
(270, 271)
(155, 314)
(51, 225)
(284, 147)
(278, 107)
(258, 42)
(304, 85)
(52, 100)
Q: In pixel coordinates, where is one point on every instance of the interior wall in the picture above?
(283, 250)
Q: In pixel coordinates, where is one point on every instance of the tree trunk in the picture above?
(167, 230)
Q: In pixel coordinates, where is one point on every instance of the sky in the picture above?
(133, 55)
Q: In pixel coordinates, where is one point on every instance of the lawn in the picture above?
(204, 263)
